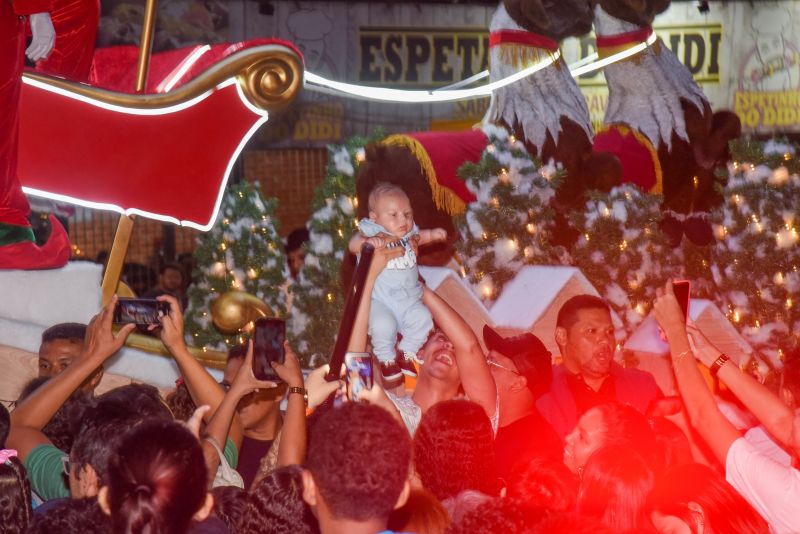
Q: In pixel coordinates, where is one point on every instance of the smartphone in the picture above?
(681, 289)
(268, 337)
(359, 373)
(140, 311)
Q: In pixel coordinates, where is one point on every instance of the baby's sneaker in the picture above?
(405, 361)
(391, 373)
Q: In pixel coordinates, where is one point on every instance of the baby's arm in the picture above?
(358, 240)
(433, 234)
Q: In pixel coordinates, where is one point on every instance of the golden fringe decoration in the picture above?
(444, 198)
(658, 188)
(521, 56)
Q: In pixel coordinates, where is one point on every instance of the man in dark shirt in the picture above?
(588, 375)
(522, 369)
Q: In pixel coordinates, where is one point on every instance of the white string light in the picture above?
(453, 92)
(169, 82)
(436, 95)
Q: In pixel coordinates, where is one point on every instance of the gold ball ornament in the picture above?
(234, 310)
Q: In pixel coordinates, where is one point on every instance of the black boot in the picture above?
(698, 229)
(672, 228)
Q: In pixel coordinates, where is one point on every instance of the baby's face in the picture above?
(394, 213)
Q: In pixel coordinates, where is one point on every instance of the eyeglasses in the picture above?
(492, 362)
(66, 465)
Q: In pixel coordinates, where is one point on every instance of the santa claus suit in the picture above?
(17, 249)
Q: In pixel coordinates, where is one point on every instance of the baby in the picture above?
(397, 297)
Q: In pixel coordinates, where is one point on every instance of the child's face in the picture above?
(393, 212)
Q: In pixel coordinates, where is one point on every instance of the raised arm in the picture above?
(776, 416)
(219, 424)
(202, 386)
(354, 246)
(358, 336)
(475, 375)
(703, 412)
(31, 416)
(292, 448)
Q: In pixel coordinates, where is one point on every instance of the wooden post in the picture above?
(116, 258)
(119, 249)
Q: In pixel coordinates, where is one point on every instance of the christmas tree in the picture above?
(244, 252)
(511, 222)
(756, 258)
(623, 252)
(318, 301)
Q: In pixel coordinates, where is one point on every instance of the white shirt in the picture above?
(412, 413)
(760, 439)
(771, 488)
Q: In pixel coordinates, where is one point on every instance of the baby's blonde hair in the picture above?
(382, 189)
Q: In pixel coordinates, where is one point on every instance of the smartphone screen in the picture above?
(140, 311)
(268, 337)
(359, 373)
(681, 289)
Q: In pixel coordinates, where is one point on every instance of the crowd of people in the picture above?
(489, 440)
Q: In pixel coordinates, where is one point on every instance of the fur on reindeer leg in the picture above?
(653, 95)
(547, 110)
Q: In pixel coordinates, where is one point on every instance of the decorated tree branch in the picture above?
(242, 252)
(510, 225)
(756, 260)
(318, 295)
(623, 252)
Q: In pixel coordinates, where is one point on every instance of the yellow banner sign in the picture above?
(420, 56)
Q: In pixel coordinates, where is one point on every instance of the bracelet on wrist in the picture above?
(300, 391)
(717, 365)
(679, 358)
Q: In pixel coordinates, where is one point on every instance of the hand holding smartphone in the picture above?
(140, 311)
(682, 289)
(359, 373)
(268, 337)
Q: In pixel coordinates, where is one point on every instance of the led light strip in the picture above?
(114, 107)
(450, 93)
(263, 117)
(168, 83)
(438, 95)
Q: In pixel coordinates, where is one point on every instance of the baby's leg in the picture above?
(415, 326)
(382, 331)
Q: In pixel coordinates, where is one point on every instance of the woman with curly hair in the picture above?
(276, 506)
(15, 494)
(454, 450)
(15, 490)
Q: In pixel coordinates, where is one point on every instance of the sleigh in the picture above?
(160, 146)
